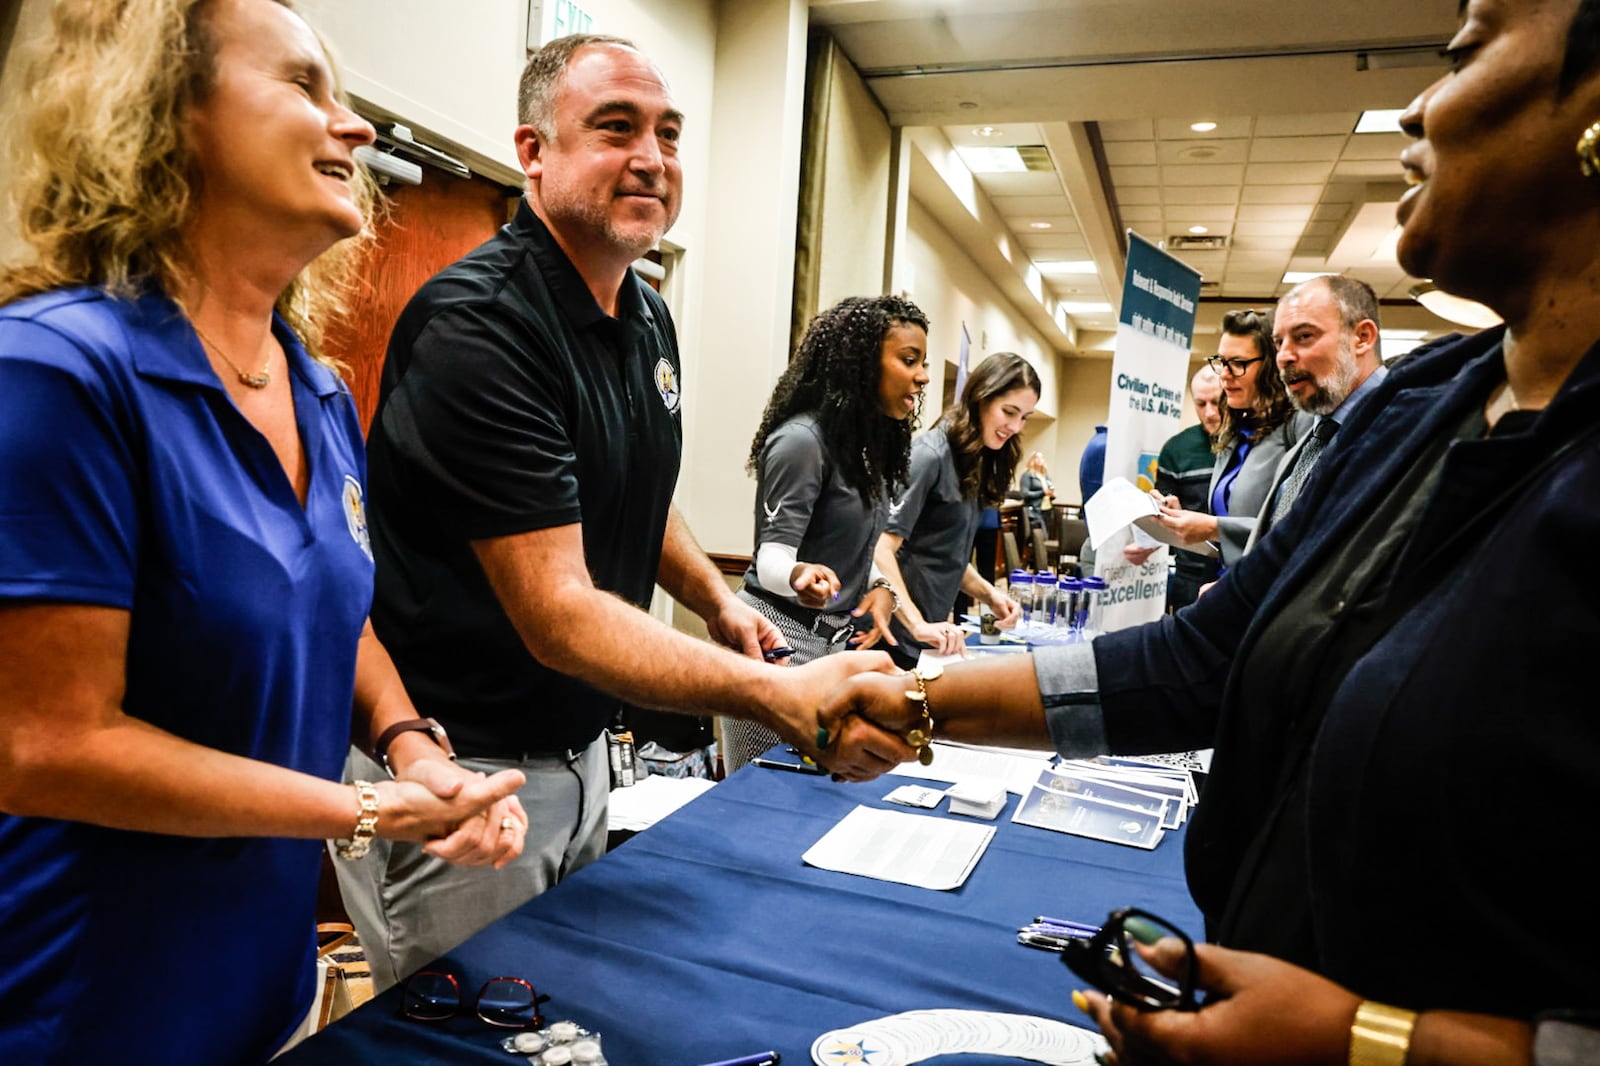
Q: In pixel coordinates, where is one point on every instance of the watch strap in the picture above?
(431, 726)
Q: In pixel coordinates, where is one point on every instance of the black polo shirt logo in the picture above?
(667, 384)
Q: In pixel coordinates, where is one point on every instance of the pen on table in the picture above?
(1065, 923)
(764, 1058)
(792, 767)
(772, 655)
(1045, 941)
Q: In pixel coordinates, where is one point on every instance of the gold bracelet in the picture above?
(921, 737)
(366, 823)
(1380, 1035)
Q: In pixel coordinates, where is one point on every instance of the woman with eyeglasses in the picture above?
(1259, 424)
(833, 446)
(1398, 679)
(184, 567)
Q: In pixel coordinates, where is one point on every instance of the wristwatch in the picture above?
(380, 749)
(894, 597)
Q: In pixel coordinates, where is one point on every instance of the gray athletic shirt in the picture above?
(938, 526)
(801, 499)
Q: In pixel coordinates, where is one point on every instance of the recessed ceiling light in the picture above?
(1039, 225)
(1086, 308)
(1380, 121)
(1198, 229)
(1065, 266)
(1202, 127)
(987, 131)
(969, 105)
(1295, 277)
(992, 160)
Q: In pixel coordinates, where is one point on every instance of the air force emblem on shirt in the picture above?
(667, 384)
(896, 506)
(771, 511)
(355, 515)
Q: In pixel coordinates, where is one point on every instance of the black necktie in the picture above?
(1304, 463)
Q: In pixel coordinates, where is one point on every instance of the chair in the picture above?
(1074, 531)
(1008, 542)
(1041, 549)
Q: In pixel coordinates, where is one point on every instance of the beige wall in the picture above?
(855, 205)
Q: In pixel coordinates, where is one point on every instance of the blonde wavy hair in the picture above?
(105, 179)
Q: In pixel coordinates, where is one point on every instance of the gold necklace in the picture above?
(247, 379)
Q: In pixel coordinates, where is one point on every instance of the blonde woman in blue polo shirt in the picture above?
(184, 566)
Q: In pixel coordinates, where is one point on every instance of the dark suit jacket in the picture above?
(1450, 780)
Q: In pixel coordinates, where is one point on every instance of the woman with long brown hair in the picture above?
(961, 465)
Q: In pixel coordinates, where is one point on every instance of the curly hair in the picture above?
(106, 180)
(985, 474)
(835, 376)
(1272, 406)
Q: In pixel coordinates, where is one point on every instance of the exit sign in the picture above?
(549, 19)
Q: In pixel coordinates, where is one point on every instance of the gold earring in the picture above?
(1589, 151)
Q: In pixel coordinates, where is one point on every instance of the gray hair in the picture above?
(544, 73)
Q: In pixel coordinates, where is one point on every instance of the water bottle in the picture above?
(1092, 609)
(1044, 597)
(1022, 592)
(1067, 592)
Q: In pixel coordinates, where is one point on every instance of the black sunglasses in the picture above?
(1231, 367)
(1111, 962)
(504, 1002)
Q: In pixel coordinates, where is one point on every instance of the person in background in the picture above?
(1183, 476)
(1038, 492)
(831, 450)
(184, 570)
(964, 463)
(524, 454)
(1091, 474)
(1326, 336)
(1259, 426)
(1354, 670)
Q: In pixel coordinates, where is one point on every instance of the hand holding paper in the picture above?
(1119, 504)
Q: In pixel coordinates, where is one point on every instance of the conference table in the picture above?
(705, 937)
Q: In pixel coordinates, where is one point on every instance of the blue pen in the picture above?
(1065, 923)
(772, 655)
(1059, 931)
(764, 1058)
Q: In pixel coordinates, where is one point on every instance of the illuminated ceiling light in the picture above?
(1065, 266)
(1039, 225)
(1451, 308)
(1295, 277)
(1198, 229)
(993, 160)
(1086, 308)
(987, 131)
(1202, 127)
(1380, 121)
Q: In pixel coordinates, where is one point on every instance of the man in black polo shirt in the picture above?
(522, 463)
(1183, 469)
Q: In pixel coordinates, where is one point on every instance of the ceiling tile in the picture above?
(1208, 263)
(1332, 212)
(1306, 125)
(1131, 129)
(1200, 194)
(1300, 213)
(1033, 183)
(1251, 242)
(1139, 194)
(1287, 173)
(1177, 129)
(1368, 168)
(1054, 247)
(1295, 149)
(1202, 174)
(1032, 206)
(1121, 176)
(1130, 153)
(1141, 213)
(1208, 151)
(1281, 194)
(1190, 214)
(1321, 229)
(1376, 146)
(1011, 135)
(1268, 229)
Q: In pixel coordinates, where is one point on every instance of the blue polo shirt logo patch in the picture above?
(667, 384)
(355, 514)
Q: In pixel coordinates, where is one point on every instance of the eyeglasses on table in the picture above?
(504, 1002)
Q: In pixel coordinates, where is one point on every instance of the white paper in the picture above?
(1120, 504)
(902, 1039)
(955, 763)
(908, 849)
(641, 805)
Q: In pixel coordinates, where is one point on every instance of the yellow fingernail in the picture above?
(1080, 1001)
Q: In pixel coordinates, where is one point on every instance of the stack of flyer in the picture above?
(1124, 801)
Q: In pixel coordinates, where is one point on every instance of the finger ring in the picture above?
(508, 823)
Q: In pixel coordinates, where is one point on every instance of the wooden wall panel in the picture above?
(429, 226)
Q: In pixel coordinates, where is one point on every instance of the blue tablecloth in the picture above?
(705, 937)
